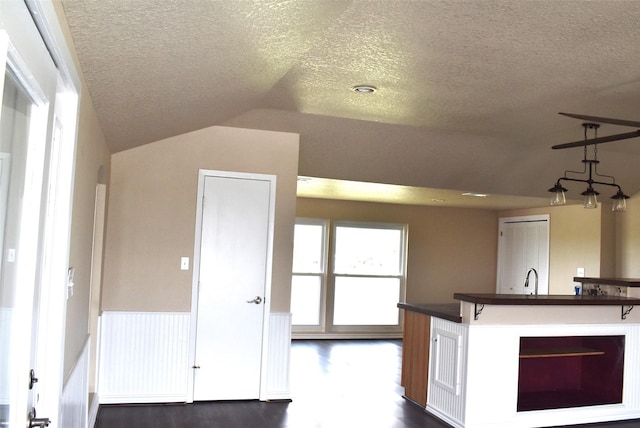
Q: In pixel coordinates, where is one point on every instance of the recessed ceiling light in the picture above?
(477, 195)
(364, 89)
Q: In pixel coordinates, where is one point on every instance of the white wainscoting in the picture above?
(5, 343)
(278, 367)
(143, 357)
(75, 393)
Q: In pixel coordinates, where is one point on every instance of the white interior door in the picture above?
(37, 146)
(29, 80)
(234, 276)
(523, 244)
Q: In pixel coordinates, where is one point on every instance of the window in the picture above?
(368, 273)
(367, 279)
(309, 268)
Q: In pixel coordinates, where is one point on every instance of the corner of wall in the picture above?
(607, 241)
(627, 244)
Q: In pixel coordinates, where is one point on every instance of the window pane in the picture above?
(305, 300)
(368, 251)
(366, 301)
(307, 248)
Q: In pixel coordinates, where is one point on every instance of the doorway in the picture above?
(232, 282)
(37, 122)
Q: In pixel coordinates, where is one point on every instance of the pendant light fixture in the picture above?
(590, 170)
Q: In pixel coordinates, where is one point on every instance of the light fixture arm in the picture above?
(590, 194)
(589, 182)
(593, 170)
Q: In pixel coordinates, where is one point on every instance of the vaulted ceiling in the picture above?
(467, 92)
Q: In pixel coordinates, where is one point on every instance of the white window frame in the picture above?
(322, 275)
(401, 277)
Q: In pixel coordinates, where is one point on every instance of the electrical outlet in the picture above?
(580, 272)
(184, 263)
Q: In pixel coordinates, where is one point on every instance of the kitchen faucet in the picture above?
(526, 281)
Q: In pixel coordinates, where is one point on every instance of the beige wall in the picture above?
(92, 156)
(575, 240)
(152, 209)
(450, 249)
(608, 241)
(628, 240)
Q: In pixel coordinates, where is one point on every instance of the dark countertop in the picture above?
(624, 282)
(546, 299)
(447, 311)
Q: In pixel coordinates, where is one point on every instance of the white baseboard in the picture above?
(347, 336)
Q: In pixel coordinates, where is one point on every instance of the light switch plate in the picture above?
(70, 274)
(184, 263)
(580, 272)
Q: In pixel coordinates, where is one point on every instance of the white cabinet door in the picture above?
(447, 370)
(445, 373)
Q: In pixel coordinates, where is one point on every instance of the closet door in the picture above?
(523, 244)
(233, 285)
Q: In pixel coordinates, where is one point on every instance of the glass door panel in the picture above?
(29, 79)
(14, 130)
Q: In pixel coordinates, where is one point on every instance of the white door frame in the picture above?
(59, 214)
(95, 286)
(5, 167)
(202, 174)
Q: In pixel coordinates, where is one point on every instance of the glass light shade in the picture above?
(619, 201)
(619, 204)
(558, 198)
(590, 199)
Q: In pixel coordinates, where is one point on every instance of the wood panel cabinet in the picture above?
(415, 356)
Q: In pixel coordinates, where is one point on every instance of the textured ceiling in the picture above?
(467, 91)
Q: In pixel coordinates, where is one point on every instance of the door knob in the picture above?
(257, 300)
(32, 378)
(37, 422)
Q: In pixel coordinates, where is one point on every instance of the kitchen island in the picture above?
(524, 361)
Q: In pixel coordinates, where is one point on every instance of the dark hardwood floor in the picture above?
(335, 384)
